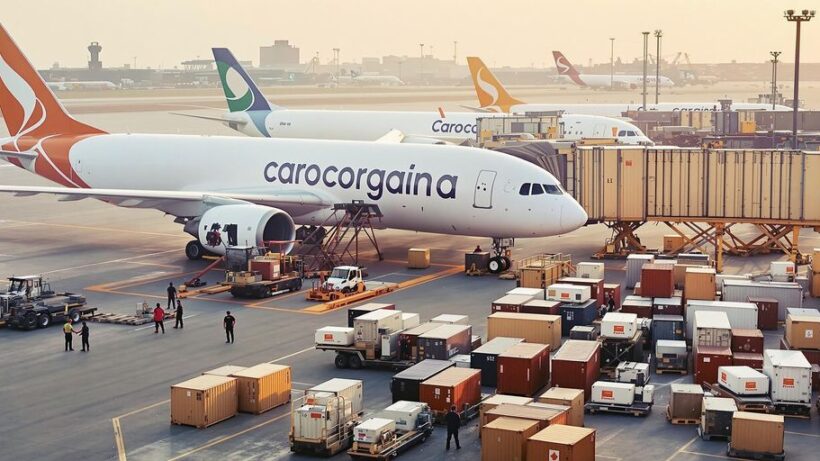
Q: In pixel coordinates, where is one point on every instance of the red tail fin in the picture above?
(565, 68)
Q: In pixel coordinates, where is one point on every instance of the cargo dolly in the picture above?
(355, 358)
(754, 455)
(394, 447)
(635, 409)
(794, 410)
(757, 404)
(468, 413)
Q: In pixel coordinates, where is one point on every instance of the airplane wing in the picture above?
(478, 109)
(395, 136)
(213, 118)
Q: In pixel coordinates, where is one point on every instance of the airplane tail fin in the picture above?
(241, 92)
(29, 107)
(566, 68)
(491, 93)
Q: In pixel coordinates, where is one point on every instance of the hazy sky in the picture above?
(503, 32)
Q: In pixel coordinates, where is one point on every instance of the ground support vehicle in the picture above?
(635, 409)
(355, 358)
(343, 281)
(251, 285)
(395, 445)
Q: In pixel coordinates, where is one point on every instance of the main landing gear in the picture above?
(500, 261)
(194, 250)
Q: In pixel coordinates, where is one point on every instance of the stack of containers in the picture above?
(766, 312)
(498, 399)
(790, 376)
(405, 385)
(573, 398)
(667, 306)
(740, 314)
(523, 369)
(657, 281)
(577, 365)
(408, 340)
(506, 438)
(634, 263)
(534, 328)
(699, 283)
(445, 342)
(638, 305)
(358, 311)
(541, 306)
(562, 443)
(485, 358)
(786, 294)
(596, 287)
(459, 387)
(510, 303)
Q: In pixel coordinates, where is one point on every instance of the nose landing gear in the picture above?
(500, 261)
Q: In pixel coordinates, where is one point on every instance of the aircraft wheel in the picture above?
(194, 250)
(496, 265)
(507, 263)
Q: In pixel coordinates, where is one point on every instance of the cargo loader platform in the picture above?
(753, 455)
(393, 448)
(636, 409)
(792, 410)
(756, 404)
(355, 358)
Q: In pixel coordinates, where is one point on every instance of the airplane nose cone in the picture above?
(573, 216)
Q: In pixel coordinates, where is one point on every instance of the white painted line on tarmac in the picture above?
(112, 261)
(184, 317)
(293, 355)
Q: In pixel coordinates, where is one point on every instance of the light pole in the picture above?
(797, 18)
(774, 54)
(336, 52)
(658, 35)
(455, 51)
(421, 62)
(645, 57)
(611, 62)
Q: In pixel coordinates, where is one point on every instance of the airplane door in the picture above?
(483, 197)
(598, 131)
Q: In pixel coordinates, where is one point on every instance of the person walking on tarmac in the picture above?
(228, 322)
(172, 295)
(178, 315)
(453, 423)
(84, 333)
(69, 336)
(159, 318)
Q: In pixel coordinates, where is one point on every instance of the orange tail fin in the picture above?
(491, 93)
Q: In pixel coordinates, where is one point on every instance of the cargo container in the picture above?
(204, 401)
(720, 278)
(451, 319)
(642, 307)
(634, 263)
(782, 271)
(786, 294)
(405, 384)
(790, 375)
(812, 355)
(672, 243)
(712, 329)
(353, 312)
(657, 281)
(669, 327)
(408, 340)
(485, 358)
(461, 360)
(510, 303)
(573, 398)
(534, 293)
(596, 287)
(541, 306)
(445, 342)
(350, 390)
(747, 341)
(716, 417)
(534, 328)
(585, 333)
(562, 443)
(263, 387)
(756, 434)
(750, 360)
(568, 293)
(476, 261)
(498, 399)
(523, 369)
(545, 416)
(404, 413)
(707, 361)
(740, 314)
(699, 283)
(339, 336)
(506, 438)
(410, 320)
(372, 430)
(454, 386)
(367, 326)
(743, 380)
(227, 370)
(613, 290)
(801, 311)
(685, 401)
(679, 272)
(573, 315)
(418, 258)
(577, 365)
(667, 306)
(766, 312)
(803, 331)
(613, 393)
(671, 355)
(616, 325)
(590, 270)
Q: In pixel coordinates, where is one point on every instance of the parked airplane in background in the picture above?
(229, 190)
(568, 73)
(81, 85)
(356, 78)
(250, 113)
(493, 97)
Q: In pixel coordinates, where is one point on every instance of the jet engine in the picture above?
(243, 225)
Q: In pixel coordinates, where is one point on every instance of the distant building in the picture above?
(279, 55)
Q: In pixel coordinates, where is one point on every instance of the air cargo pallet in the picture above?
(636, 409)
(793, 410)
(710, 437)
(394, 448)
(677, 371)
(751, 404)
(753, 455)
(125, 319)
(680, 421)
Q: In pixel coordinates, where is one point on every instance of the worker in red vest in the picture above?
(159, 318)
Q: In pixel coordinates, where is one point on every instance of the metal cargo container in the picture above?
(740, 314)
(568, 293)
(461, 360)
(534, 293)
(523, 369)
(584, 332)
(372, 429)
(541, 306)
(337, 336)
(712, 329)
(573, 398)
(577, 365)
(226, 370)
(757, 433)
(350, 391)
(782, 271)
(263, 387)
(790, 375)
(747, 341)
(640, 306)
(670, 354)
(506, 438)
(367, 326)
(670, 327)
(485, 358)
(445, 342)
(409, 320)
(418, 258)
(716, 417)
(699, 283)
(562, 443)
(596, 287)
(353, 312)
(657, 281)
(534, 328)
(766, 312)
(544, 415)
(803, 331)
(619, 326)
(408, 340)
(810, 311)
(589, 270)
(707, 361)
(573, 315)
(786, 294)
(460, 387)
(612, 392)
(754, 361)
(204, 401)
(498, 399)
(613, 290)
(634, 263)
(667, 306)
(510, 303)
(742, 380)
(389, 345)
(451, 319)
(686, 401)
(405, 384)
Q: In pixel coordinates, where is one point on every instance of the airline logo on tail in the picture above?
(240, 91)
(565, 68)
(491, 93)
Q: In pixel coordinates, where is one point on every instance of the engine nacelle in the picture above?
(251, 225)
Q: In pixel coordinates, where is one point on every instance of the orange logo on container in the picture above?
(751, 385)
(565, 295)
(316, 415)
(328, 336)
(618, 329)
(723, 376)
(788, 382)
(607, 395)
(628, 163)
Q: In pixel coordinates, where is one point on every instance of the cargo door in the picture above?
(483, 196)
(609, 159)
(653, 198)
(805, 178)
(632, 199)
(599, 131)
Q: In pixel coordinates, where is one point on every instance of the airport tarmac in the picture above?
(112, 403)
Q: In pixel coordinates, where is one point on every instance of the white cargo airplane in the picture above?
(250, 113)
(493, 97)
(82, 85)
(236, 190)
(567, 72)
(356, 78)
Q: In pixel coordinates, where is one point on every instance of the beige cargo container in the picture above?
(203, 401)
(506, 438)
(263, 387)
(418, 258)
(496, 400)
(803, 331)
(699, 283)
(534, 328)
(573, 398)
(757, 433)
(563, 443)
(227, 370)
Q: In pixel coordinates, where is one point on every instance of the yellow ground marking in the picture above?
(94, 228)
(681, 449)
(225, 438)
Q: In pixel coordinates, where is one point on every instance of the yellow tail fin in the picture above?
(491, 93)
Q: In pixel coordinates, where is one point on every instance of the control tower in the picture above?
(94, 64)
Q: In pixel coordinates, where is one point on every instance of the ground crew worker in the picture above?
(611, 303)
(172, 295)
(84, 336)
(178, 315)
(159, 318)
(228, 322)
(453, 423)
(477, 249)
(69, 336)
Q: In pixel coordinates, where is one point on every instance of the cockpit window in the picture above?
(630, 133)
(525, 189)
(552, 189)
(622, 133)
(537, 189)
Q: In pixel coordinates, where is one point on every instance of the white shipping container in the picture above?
(371, 430)
(588, 270)
(565, 292)
(669, 347)
(390, 345)
(313, 421)
(742, 315)
(404, 413)
(461, 360)
(628, 372)
(619, 325)
(349, 389)
(712, 328)
(367, 326)
(720, 278)
(451, 319)
(615, 393)
(534, 293)
(409, 320)
(782, 271)
(336, 336)
(667, 303)
(790, 375)
(743, 380)
(801, 311)
(634, 263)
(786, 294)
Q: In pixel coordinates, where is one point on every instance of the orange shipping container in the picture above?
(757, 433)
(203, 401)
(573, 398)
(263, 387)
(506, 439)
(454, 386)
(227, 370)
(544, 416)
(699, 284)
(534, 328)
(562, 443)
